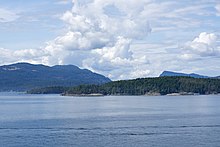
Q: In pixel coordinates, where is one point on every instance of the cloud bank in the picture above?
(104, 36)
(112, 38)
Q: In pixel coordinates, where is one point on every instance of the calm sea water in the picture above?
(125, 121)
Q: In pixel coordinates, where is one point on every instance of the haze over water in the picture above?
(52, 120)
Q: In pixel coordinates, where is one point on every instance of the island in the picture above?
(170, 85)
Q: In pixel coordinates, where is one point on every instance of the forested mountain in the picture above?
(170, 73)
(25, 76)
(160, 85)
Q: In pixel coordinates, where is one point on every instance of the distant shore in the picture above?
(148, 94)
(84, 95)
(172, 86)
(102, 95)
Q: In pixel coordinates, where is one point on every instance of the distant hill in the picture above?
(25, 76)
(171, 74)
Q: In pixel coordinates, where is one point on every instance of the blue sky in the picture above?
(36, 22)
(121, 39)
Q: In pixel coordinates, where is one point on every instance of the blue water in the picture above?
(125, 121)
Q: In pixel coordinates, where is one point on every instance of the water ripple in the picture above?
(111, 128)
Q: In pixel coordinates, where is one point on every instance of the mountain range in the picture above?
(25, 76)
(177, 74)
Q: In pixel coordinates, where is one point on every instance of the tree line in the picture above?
(141, 86)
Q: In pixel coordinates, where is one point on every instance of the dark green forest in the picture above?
(141, 86)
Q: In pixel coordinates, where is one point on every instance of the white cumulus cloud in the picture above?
(26, 55)
(206, 44)
(99, 39)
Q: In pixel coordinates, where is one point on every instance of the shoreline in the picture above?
(84, 95)
(170, 94)
(102, 95)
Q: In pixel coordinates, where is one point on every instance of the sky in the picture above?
(121, 39)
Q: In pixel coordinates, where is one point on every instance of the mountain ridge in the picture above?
(193, 75)
(24, 76)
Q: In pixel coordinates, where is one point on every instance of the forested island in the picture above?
(140, 86)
